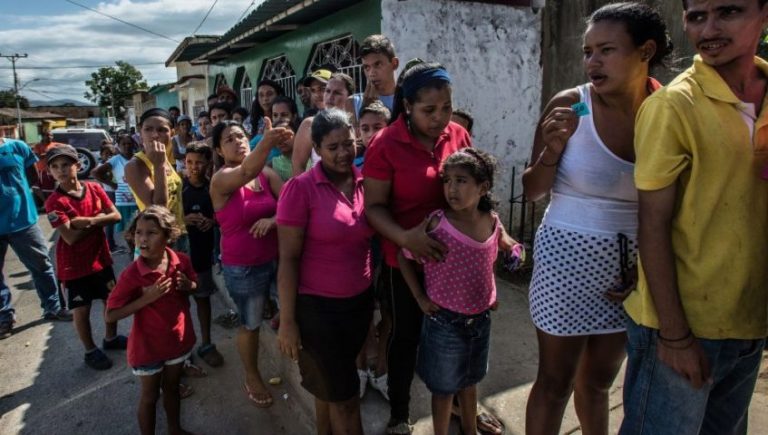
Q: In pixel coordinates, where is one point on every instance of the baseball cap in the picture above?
(61, 151)
(321, 75)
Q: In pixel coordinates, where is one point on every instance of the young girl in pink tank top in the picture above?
(460, 291)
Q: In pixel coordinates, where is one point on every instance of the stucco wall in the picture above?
(493, 54)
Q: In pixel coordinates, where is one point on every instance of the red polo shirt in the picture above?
(91, 253)
(396, 155)
(163, 329)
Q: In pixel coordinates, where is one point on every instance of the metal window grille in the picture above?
(246, 92)
(279, 70)
(218, 81)
(342, 53)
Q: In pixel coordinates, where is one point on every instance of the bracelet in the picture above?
(672, 340)
(678, 347)
(548, 165)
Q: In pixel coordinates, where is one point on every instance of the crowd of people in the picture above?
(652, 246)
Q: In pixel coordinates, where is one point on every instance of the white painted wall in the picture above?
(194, 91)
(493, 53)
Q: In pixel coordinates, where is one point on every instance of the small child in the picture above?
(460, 291)
(282, 162)
(373, 117)
(80, 211)
(155, 289)
(464, 119)
(198, 218)
(107, 152)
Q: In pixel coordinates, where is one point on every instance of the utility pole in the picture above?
(13, 58)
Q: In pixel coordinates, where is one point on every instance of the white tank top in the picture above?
(594, 190)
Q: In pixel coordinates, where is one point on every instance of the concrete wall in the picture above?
(563, 28)
(193, 91)
(492, 52)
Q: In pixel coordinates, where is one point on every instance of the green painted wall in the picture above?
(31, 135)
(165, 99)
(360, 20)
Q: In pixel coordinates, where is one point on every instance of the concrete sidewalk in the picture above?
(45, 388)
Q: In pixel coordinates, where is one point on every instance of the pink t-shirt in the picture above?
(463, 283)
(336, 258)
(244, 208)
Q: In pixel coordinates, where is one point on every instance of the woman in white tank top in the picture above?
(585, 248)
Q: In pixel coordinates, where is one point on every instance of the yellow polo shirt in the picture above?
(692, 133)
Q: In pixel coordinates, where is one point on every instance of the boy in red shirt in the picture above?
(80, 211)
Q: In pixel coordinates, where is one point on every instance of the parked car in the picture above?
(87, 142)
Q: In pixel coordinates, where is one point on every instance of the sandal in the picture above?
(192, 371)
(259, 400)
(488, 424)
(185, 391)
(210, 355)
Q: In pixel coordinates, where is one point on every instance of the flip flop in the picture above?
(488, 424)
(259, 400)
(190, 370)
(185, 391)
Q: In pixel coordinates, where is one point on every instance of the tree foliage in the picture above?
(114, 84)
(8, 99)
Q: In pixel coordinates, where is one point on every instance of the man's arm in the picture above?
(677, 348)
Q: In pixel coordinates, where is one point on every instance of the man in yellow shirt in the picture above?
(700, 314)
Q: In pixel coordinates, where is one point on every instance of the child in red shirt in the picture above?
(80, 211)
(155, 288)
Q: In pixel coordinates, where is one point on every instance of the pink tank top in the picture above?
(464, 282)
(244, 208)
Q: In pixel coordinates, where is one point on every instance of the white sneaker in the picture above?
(379, 384)
(363, 375)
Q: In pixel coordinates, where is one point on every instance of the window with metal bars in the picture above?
(343, 54)
(246, 92)
(279, 69)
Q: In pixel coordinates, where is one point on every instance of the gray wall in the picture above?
(563, 26)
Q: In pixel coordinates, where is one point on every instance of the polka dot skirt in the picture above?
(571, 273)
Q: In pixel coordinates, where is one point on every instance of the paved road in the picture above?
(45, 388)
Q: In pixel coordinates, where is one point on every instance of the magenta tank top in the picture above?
(244, 208)
(463, 283)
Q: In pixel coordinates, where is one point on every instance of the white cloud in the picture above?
(83, 37)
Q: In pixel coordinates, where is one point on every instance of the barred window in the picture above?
(279, 69)
(246, 92)
(343, 54)
(218, 81)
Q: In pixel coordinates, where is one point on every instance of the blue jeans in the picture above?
(248, 286)
(659, 401)
(32, 250)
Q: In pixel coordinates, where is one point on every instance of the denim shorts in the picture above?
(248, 286)
(453, 351)
(153, 369)
(659, 401)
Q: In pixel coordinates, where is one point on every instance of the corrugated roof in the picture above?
(192, 47)
(270, 20)
(26, 114)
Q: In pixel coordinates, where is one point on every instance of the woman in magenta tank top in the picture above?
(244, 194)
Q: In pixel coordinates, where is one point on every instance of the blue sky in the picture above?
(58, 33)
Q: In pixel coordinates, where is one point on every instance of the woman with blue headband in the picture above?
(402, 187)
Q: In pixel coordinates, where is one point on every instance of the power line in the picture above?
(205, 17)
(123, 21)
(253, 2)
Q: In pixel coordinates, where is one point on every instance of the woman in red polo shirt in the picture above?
(325, 274)
(402, 186)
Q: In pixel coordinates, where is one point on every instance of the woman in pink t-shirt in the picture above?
(325, 274)
(244, 195)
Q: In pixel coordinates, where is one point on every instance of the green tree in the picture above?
(113, 85)
(762, 48)
(8, 99)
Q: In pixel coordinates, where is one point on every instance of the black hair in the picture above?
(155, 111)
(219, 130)
(174, 108)
(200, 148)
(481, 166)
(108, 147)
(326, 121)
(204, 114)
(221, 105)
(212, 96)
(377, 44)
(412, 69)
(292, 107)
(466, 115)
(643, 23)
(256, 111)
(760, 2)
(242, 111)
